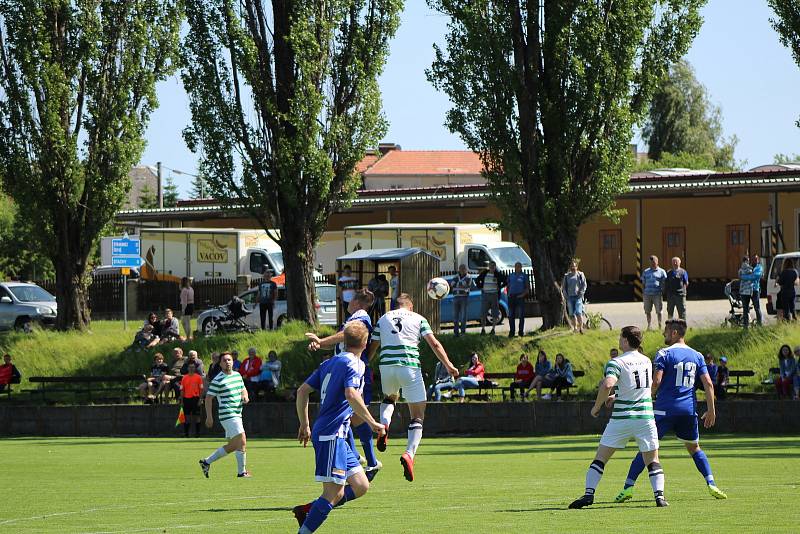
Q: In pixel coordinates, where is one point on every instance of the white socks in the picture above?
(241, 459)
(593, 476)
(387, 410)
(656, 478)
(216, 455)
(414, 436)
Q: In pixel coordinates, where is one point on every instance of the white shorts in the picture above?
(619, 431)
(409, 379)
(233, 427)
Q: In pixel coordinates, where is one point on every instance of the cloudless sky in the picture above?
(736, 55)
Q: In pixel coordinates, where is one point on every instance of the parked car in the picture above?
(22, 305)
(326, 309)
(772, 276)
(473, 306)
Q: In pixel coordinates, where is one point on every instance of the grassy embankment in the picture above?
(105, 350)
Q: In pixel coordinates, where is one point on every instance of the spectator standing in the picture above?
(236, 363)
(472, 377)
(394, 287)
(379, 287)
(347, 285)
(677, 284)
(441, 380)
(541, 370)
(191, 390)
(522, 377)
(519, 286)
(251, 370)
(653, 279)
(267, 291)
(745, 289)
(491, 282)
(787, 280)
(574, 288)
(9, 374)
(460, 287)
(187, 305)
(170, 329)
(787, 371)
(723, 376)
(151, 383)
(758, 272)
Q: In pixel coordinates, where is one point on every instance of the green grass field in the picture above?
(463, 485)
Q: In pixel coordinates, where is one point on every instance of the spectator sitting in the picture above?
(523, 377)
(543, 367)
(214, 369)
(170, 328)
(191, 390)
(145, 338)
(472, 378)
(153, 321)
(441, 380)
(193, 359)
(172, 378)
(723, 375)
(236, 363)
(270, 377)
(712, 371)
(559, 377)
(9, 374)
(151, 383)
(251, 371)
(787, 371)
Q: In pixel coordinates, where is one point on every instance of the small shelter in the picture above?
(415, 267)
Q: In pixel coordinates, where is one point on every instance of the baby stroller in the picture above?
(736, 314)
(232, 314)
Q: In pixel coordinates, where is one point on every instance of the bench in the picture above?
(488, 386)
(738, 374)
(87, 385)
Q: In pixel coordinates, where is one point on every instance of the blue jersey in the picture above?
(362, 316)
(682, 365)
(330, 379)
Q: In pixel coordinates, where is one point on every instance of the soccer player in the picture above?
(358, 310)
(632, 416)
(229, 390)
(398, 334)
(676, 369)
(339, 381)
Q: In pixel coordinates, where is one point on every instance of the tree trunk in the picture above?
(298, 259)
(71, 293)
(551, 260)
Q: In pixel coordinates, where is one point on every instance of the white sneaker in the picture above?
(546, 396)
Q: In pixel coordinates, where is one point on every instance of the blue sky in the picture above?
(736, 55)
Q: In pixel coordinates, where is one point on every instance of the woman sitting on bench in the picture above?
(558, 378)
(472, 378)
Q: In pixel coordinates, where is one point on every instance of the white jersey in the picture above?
(399, 332)
(634, 373)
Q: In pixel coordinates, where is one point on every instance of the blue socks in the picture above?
(637, 466)
(365, 436)
(701, 461)
(349, 495)
(316, 516)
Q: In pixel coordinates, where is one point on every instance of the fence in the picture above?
(158, 295)
(531, 295)
(105, 293)
(213, 292)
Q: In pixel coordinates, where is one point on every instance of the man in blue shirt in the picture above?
(519, 285)
(339, 381)
(358, 310)
(675, 371)
(653, 279)
(676, 285)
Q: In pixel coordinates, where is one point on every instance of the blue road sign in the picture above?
(126, 247)
(126, 261)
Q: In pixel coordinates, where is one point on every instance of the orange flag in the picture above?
(181, 418)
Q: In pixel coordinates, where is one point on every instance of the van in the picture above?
(772, 276)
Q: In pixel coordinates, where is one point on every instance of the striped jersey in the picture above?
(634, 373)
(228, 391)
(399, 332)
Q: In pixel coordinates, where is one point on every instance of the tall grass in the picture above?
(106, 350)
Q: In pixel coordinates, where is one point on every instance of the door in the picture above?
(737, 245)
(673, 241)
(610, 254)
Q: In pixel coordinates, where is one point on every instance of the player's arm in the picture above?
(209, 409)
(304, 432)
(605, 389)
(440, 353)
(360, 409)
(245, 396)
(658, 376)
(317, 343)
(710, 417)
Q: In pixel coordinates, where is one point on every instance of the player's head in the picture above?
(404, 301)
(226, 362)
(630, 338)
(362, 300)
(784, 352)
(355, 337)
(674, 330)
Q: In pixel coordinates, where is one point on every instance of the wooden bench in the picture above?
(488, 386)
(738, 374)
(88, 385)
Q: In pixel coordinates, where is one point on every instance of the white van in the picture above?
(774, 271)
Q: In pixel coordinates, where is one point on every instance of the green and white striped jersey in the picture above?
(228, 391)
(400, 332)
(634, 372)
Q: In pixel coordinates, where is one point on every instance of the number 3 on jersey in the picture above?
(685, 380)
(639, 381)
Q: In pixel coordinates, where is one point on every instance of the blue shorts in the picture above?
(366, 393)
(684, 426)
(574, 306)
(336, 462)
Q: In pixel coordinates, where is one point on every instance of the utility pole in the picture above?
(160, 188)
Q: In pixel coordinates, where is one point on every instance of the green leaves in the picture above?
(787, 24)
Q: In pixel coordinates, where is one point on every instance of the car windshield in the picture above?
(31, 294)
(277, 261)
(326, 293)
(777, 266)
(511, 255)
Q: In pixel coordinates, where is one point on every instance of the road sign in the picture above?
(125, 271)
(126, 261)
(126, 247)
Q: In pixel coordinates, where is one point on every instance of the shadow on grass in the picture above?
(595, 506)
(277, 509)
